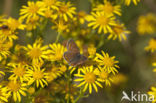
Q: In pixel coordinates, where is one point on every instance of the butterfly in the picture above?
(72, 55)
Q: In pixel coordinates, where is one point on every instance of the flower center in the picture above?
(58, 55)
(33, 9)
(118, 29)
(14, 86)
(7, 32)
(102, 20)
(108, 62)
(108, 8)
(91, 50)
(14, 24)
(90, 77)
(63, 9)
(103, 75)
(35, 53)
(63, 68)
(37, 75)
(19, 71)
(49, 2)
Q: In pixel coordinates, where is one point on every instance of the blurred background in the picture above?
(135, 63)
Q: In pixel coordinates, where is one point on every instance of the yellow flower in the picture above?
(152, 94)
(65, 11)
(7, 34)
(1, 74)
(102, 21)
(37, 75)
(146, 24)
(31, 90)
(54, 72)
(70, 91)
(72, 69)
(88, 79)
(119, 31)
(48, 13)
(37, 52)
(33, 10)
(104, 76)
(63, 68)
(81, 16)
(56, 52)
(4, 48)
(119, 79)
(19, 71)
(154, 64)
(32, 23)
(128, 2)
(14, 24)
(108, 8)
(16, 89)
(3, 95)
(151, 45)
(91, 51)
(61, 26)
(108, 63)
(50, 4)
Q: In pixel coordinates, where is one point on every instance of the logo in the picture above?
(137, 97)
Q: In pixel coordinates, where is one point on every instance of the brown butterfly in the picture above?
(73, 56)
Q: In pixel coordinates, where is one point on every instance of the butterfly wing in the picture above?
(69, 56)
(72, 47)
(73, 56)
(77, 60)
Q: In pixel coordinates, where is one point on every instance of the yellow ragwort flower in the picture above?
(108, 8)
(152, 94)
(119, 79)
(146, 24)
(151, 45)
(33, 10)
(104, 76)
(154, 64)
(102, 21)
(37, 75)
(119, 31)
(54, 72)
(81, 16)
(91, 51)
(37, 52)
(16, 89)
(108, 63)
(19, 72)
(61, 26)
(32, 23)
(50, 4)
(14, 24)
(8, 34)
(88, 79)
(56, 52)
(3, 94)
(128, 2)
(65, 11)
(4, 48)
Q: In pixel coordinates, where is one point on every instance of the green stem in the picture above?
(80, 96)
(58, 36)
(68, 80)
(42, 28)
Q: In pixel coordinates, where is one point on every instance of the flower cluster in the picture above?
(147, 26)
(36, 70)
